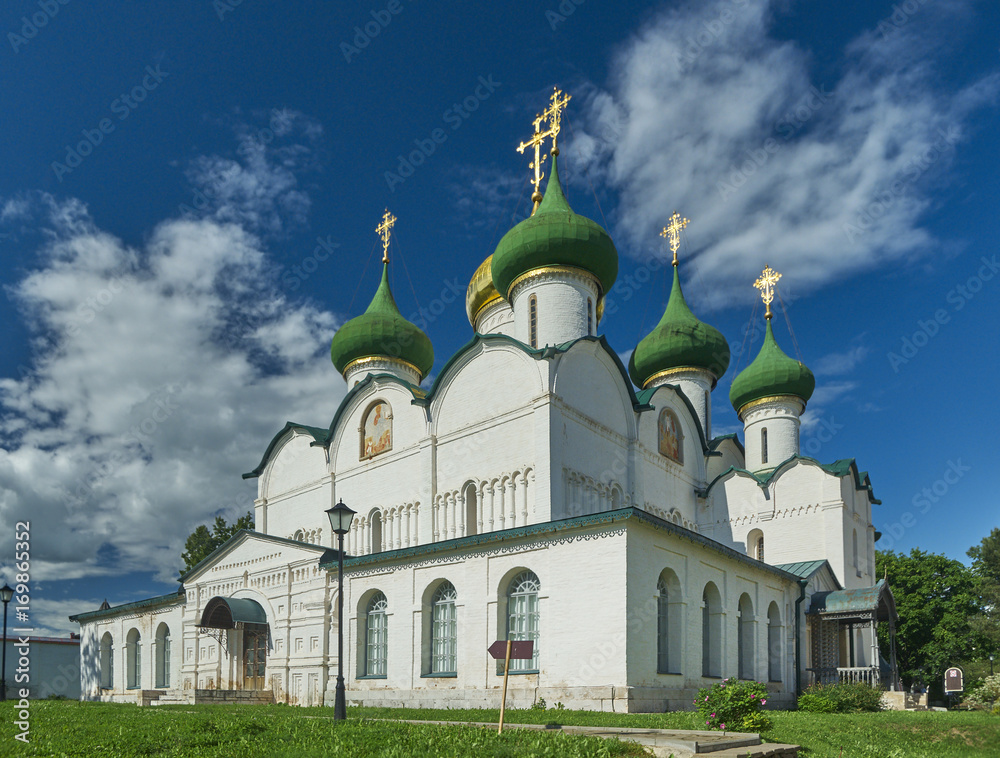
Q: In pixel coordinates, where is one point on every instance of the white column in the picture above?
(524, 499)
(460, 508)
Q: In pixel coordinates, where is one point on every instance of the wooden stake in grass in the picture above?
(503, 697)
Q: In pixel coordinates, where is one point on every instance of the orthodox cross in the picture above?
(553, 114)
(385, 230)
(765, 283)
(536, 165)
(673, 232)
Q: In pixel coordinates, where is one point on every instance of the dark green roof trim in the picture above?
(314, 431)
(242, 533)
(342, 408)
(329, 561)
(152, 602)
(860, 600)
(241, 611)
(839, 468)
(716, 441)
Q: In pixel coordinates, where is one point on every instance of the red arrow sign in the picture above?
(519, 649)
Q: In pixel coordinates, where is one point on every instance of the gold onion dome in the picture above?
(382, 332)
(481, 291)
(679, 341)
(554, 236)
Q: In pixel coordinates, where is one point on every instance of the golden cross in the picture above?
(673, 232)
(384, 230)
(553, 114)
(536, 141)
(766, 284)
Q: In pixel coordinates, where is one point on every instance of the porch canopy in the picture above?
(232, 613)
(830, 612)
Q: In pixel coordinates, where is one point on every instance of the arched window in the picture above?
(857, 564)
(133, 659)
(376, 430)
(533, 321)
(522, 616)
(162, 656)
(444, 630)
(376, 531)
(376, 636)
(107, 661)
(763, 445)
(299, 536)
(745, 638)
(755, 544)
(590, 316)
(711, 631)
(668, 624)
(671, 439)
(773, 643)
(471, 512)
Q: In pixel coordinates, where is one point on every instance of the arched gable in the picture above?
(672, 399)
(293, 462)
(589, 380)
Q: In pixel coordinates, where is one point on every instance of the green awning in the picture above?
(232, 613)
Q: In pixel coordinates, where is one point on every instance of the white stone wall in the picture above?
(780, 417)
(696, 386)
(562, 297)
(496, 318)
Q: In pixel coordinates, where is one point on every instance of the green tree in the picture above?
(201, 542)
(986, 569)
(935, 597)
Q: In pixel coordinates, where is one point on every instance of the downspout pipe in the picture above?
(798, 639)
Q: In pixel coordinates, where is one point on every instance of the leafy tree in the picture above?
(201, 542)
(935, 596)
(986, 569)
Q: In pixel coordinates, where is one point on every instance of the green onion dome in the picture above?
(554, 236)
(382, 332)
(679, 341)
(772, 373)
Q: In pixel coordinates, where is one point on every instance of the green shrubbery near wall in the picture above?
(734, 705)
(840, 698)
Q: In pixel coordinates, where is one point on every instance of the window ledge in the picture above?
(669, 673)
(516, 673)
(372, 676)
(708, 676)
(136, 687)
(443, 675)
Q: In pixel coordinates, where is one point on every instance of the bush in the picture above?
(847, 697)
(986, 695)
(734, 705)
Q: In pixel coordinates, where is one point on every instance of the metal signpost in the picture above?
(509, 649)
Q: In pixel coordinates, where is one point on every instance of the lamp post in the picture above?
(340, 520)
(6, 593)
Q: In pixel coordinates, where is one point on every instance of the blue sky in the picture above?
(189, 195)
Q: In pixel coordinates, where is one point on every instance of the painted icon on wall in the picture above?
(671, 439)
(376, 433)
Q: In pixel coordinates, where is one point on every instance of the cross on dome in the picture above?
(673, 232)
(765, 283)
(384, 230)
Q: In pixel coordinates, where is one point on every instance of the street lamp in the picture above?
(340, 520)
(6, 593)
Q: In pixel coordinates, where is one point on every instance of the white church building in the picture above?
(536, 489)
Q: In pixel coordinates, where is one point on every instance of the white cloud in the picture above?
(843, 362)
(709, 113)
(158, 376)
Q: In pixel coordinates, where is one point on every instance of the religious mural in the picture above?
(376, 434)
(670, 436)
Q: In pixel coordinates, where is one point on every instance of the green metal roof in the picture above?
(771, 373)
(329, 560)
(840, 468)
(317, 433)
(802, 569)
(876, 599)
(152, 602)
(680, 340)
(381, 331)
(227, 612)
(554, 236)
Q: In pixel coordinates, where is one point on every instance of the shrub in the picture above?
(734, 705)
(846, 697)
(985, 695)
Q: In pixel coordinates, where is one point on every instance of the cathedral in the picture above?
(577, 503)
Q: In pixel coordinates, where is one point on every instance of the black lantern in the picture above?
(340, 521)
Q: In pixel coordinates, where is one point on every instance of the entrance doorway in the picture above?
(254, 659)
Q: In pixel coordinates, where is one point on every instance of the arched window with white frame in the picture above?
(107, 661)
(533, 321)
(711, 632)
(523, 616)
(745, 638)
(376, 636)
(668, 623)
(773, 643)
(133, 659)
(162, 656)
(444, 630)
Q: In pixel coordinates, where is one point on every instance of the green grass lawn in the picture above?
(125, 731)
